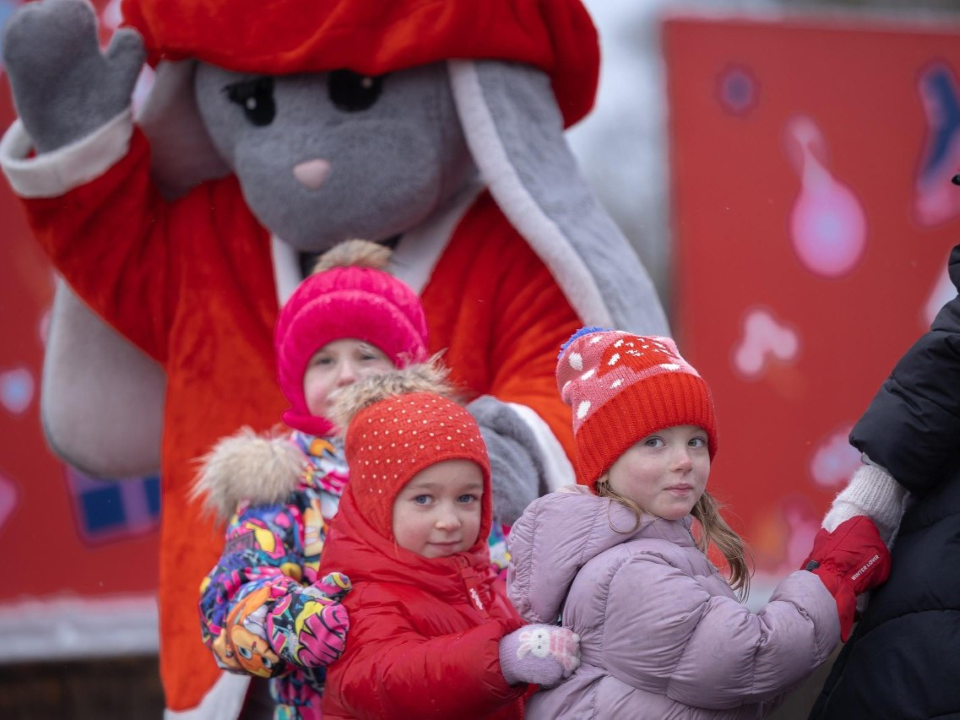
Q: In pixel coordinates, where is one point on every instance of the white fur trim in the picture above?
(286, 269)
(556, 466)
(419, 250)
(223, 701)
(543, 234)
(54, 173)
(412, 261)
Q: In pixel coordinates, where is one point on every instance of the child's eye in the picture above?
(653, 441)
(322, 360)
(422, 499)
(467, 498)
(371, 353)
(698, 442)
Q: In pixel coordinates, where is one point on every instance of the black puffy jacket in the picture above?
(903, 660)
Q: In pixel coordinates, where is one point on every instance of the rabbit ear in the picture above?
(101, 399)
(182, 153)
(515, 133)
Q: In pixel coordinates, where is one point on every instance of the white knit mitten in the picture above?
(871, 492)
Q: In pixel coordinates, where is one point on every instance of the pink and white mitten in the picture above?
(539, 654)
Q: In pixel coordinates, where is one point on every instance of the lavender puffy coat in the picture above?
(662, 635)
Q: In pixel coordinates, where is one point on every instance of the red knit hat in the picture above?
(624, 387)
(390, 441)
(374, 37)
(352, 299)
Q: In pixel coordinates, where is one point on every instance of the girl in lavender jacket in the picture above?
(662, 633)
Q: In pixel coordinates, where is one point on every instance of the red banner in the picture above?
(812, 218)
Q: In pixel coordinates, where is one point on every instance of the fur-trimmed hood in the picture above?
(261, 469)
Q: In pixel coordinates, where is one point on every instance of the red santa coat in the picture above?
(191, 284)
(418, 645)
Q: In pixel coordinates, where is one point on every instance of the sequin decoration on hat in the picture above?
(622, 388)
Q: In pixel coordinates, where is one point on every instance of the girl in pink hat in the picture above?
(265, 610)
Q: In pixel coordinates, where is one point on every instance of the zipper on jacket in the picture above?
(472, 583)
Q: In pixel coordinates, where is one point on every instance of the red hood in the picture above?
(354, 548)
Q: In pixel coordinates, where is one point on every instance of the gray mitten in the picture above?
(539, 654)
(516, 469)
(64, 88)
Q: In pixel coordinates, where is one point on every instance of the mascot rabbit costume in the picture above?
(272, 131)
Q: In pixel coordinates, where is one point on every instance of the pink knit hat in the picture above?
(348, 296)
(624, 387)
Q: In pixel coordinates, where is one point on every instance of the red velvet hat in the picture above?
(374, 37)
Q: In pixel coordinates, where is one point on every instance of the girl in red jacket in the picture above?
(432, 633)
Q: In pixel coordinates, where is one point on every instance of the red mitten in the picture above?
(850, 560)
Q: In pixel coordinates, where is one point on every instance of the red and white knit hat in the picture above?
(390, 441)
(374, 37)
(354, 298)
(623, 387)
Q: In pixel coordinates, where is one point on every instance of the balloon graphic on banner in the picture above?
(764, 338)
(16, 390)
(828, 227)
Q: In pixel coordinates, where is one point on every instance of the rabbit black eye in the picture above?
(256, 98)
(352, 92)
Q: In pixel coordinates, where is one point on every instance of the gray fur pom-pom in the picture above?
(354, 253)
(430, 376)
(247, 466)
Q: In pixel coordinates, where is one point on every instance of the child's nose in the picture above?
(448, 520)
(682, 459)
(347, 375)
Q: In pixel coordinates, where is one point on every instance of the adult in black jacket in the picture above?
(903, 660)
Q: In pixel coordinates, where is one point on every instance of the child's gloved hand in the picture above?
(850, 560)
(539, 654)
(323, 622)
(334, 586)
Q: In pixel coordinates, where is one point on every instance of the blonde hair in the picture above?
(714, 530)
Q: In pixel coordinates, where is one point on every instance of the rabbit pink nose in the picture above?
(312, 173)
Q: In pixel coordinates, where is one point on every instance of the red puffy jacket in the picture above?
(424, 633)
